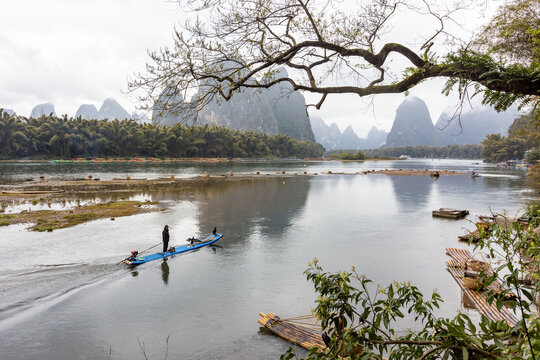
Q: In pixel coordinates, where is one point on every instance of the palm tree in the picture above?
(12, 137)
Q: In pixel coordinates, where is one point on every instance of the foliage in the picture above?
(500, 84)
(514, 32)
(533, 155)
(67, 138)
(534, 176)
(345, 155)
(433, 152)
(334, 47)
(523, 138)
(361, 321)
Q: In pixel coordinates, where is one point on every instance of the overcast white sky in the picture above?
(70, 52)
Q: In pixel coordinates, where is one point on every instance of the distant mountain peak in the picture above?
(111, 109)
(412, 125)
(332, 138)
(45, 109)
(87, 111)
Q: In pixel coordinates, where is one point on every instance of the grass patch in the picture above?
(49, 220)
(81, 217)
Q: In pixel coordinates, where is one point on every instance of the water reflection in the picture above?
(165, 272)
(412, 192)
(270, 206)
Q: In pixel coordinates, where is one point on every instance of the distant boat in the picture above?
(404, 157)
(474, 174)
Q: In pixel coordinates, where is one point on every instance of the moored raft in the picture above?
(450, 213)
(457, 268)
(297, 330)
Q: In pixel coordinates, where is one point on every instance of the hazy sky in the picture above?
(70, 52)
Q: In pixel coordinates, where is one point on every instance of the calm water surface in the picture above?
(63, 294)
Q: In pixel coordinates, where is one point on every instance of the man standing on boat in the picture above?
(165, 235)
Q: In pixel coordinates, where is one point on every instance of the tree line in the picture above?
(523, 141)
(434, 152)
(63, 137)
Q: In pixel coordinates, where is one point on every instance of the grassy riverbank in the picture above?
(49, 220)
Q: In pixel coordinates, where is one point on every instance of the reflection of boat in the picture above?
(176, 250)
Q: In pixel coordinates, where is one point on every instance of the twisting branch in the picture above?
(235, 44)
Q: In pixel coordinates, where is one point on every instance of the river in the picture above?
(63, 294)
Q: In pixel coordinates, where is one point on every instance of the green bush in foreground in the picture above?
(361, 320)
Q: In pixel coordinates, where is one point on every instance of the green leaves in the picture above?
(363, 319)
(68, 137)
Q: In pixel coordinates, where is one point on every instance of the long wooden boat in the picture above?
(176, 250)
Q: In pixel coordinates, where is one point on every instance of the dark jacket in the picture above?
(165, 234)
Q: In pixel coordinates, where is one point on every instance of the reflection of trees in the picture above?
(412, 192)
(237, 208)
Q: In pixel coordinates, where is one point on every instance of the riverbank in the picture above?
(49, 220)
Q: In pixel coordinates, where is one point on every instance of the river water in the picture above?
(63, 294)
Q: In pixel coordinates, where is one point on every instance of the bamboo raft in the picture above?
(298, 330)
(456, 267)
(450, 213)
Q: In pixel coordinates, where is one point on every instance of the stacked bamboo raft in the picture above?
(450, 213)
(457, 266)
(298, 330)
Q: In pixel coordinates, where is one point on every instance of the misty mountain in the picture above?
(166, 109)
(9, 111)
(111, 109)
(332, 138)
(43, 109)
(247, 110)
(375, 138)
(87, 111)
(473, 126)
(412, 125)
(278, 109)
(289, 109)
